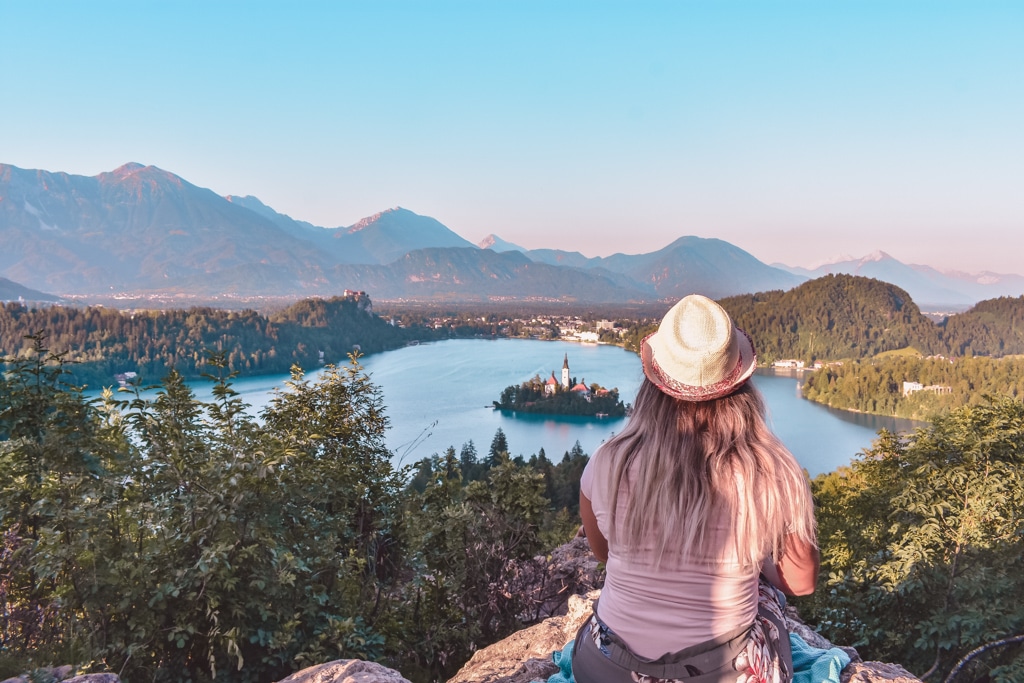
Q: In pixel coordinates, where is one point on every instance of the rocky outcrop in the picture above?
(63, 674)
(549, 581)
(346, 671)
(525, 656)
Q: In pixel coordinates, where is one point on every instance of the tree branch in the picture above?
(977, 651)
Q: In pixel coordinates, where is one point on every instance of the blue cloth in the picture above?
(564, 661)
(814, 665)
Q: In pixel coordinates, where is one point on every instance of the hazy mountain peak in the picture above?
(130, 167)
(841, 258)
(390, 234)
(134, 172)
(364, 223)
(876, 255)
(248, 201)
(495, 243)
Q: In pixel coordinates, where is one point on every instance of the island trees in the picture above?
(533, 396)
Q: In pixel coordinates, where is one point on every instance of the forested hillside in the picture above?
(991, 328)
(839, 317)
(877, 386)
(101, 342)
(833, 317)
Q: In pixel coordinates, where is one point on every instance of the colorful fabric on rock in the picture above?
(563, 659)
(761, 661)
(814, 665)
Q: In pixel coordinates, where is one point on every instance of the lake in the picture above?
(439, 395)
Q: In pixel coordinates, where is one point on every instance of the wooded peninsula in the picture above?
(868, 337)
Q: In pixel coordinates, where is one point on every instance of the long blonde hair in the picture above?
(688, 463)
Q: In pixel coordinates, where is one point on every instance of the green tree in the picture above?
(472, 468)
(471, 544)
(499, 446)
(920, 541)
(54, 452)
(175, 540)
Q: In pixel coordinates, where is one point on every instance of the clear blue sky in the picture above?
(798, 131)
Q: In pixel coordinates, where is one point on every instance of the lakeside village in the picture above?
(565, 397)
(551, 327)
(908, 388)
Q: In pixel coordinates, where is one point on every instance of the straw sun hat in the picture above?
(697, 354)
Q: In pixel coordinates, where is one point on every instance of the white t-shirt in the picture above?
(662, 609)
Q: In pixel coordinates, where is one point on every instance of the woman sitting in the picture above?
(688, 506)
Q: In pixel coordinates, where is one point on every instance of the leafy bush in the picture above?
(170, 539)
(921, 542)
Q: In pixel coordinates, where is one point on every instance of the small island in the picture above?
(565, 397)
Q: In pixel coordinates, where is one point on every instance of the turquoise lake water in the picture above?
(439, 395)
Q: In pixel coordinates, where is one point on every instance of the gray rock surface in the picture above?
(63, 674)
(346, 671)
(526, 655)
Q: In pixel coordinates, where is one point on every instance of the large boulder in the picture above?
(63, 674)
(346, 671)
(525, 656)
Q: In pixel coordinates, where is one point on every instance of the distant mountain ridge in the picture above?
(12, 291)
(931, 288)
(140, 230)
(495, 243)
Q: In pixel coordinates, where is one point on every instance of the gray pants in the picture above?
(705, 663)
(708, 662)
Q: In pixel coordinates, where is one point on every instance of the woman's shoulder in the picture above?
(602, 458)
(598, 468)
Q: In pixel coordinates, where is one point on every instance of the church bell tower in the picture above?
(565, 372)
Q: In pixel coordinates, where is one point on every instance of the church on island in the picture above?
(551, 386)
(563, 397)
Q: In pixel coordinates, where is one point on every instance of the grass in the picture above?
(907, 351)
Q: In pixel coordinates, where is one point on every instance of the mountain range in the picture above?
(140, 231)
(932, 289)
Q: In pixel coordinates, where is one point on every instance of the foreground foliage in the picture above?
(169, 539)
(922, 541)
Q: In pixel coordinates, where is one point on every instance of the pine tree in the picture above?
(499, 446)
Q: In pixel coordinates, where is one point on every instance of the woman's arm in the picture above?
(796, 572)
(598, 543)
